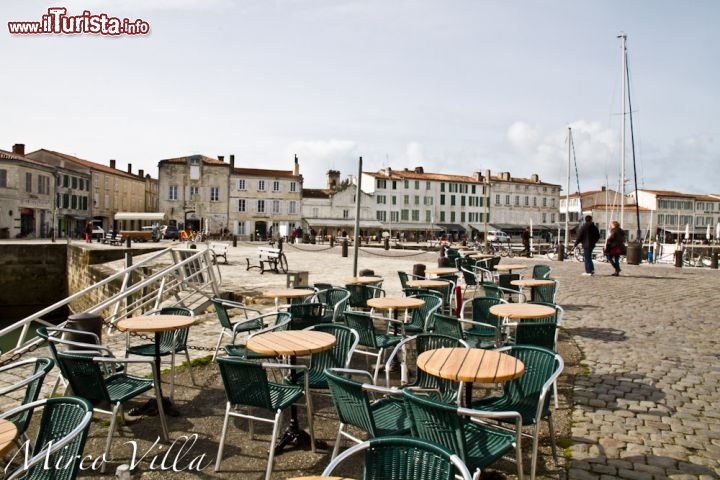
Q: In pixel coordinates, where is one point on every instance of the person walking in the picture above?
(88, 232)
(526, 242)
(615, 245)
(588, 236)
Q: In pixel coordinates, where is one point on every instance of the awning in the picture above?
(148, 216)
(341, 222)
(416, 227)
(451, 227)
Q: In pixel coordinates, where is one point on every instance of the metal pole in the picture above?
(623, 39)
(487, 212)
(356, 245)
(567, 203)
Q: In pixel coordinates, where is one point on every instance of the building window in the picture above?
(406, 184)
(497, 199)
(172, 192)
(214, 194)
(276, 206)
(544, 201)
(261, 206)
(417, 199)
(452, 199)
(404, 215)
(394, 200)
(28, 182)
(346, 213)
(276, 186)
(442, 216)
(517, 200)
(261, 185)
(241, 184)
(194, 190)
(43, 185)
(241, 205)
(534, 201)
(395, 216)
(293, 186)
(380, 215)
(417, 184)
(380, 199)
(452, 217)
(74, 202)
(428, 216)
(442, 199)
(3, 178)
(416, 215)
(527, 201)
(381, 183)
(292, 207)
(427, 185)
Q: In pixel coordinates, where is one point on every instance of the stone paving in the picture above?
(646, 404)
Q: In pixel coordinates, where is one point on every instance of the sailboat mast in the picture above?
(567, 190)
(623, 95)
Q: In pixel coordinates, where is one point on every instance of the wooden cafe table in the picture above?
(278, 293)
(291, 343)
(427, 283)
(8, 434)
(156, 324)
(366, 280)
(509, 267)
(519, 311)
(392, 304)
(441, 271)
(531, 283)
(470, 365)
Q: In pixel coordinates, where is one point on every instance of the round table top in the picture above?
(8, 434)
(510, 266)
(481, 256)
(154, 323)
(531, 282)
(389, 303)
(363, 280)
(288, 293)
(427, 283)
(291, 342)
(470, 365)
(521, 310)
(441, 270)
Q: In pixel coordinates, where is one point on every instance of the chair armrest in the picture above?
(92, 335)
(21, 383)
(353, 371)
(240, 306)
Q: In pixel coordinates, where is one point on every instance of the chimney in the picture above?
(419, 170)
(19, 149)
(112, 163)
(389, 172)
(141, 173)
(535, 178)
(221, 158)
(296, 169)
(487, 174)
(478, 176)
(130, 168)
(333, 179)
(232, 162)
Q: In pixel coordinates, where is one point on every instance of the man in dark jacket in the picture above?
(588, 236)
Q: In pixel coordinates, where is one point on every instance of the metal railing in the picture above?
(174, 276)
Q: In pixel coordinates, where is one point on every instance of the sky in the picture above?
(454, 86)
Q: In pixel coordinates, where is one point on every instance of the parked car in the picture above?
(98, 233)
(171, 232)
(498, 236)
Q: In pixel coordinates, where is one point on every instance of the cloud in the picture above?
(113, 7)
(316, 157)
(414, 154)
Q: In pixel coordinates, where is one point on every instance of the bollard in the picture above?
(234, 240)
(332, 241)
(419, 270)
(714, 259)
(678, 257)
(386, 242)
(127, 242)
(84, 322)
(560, 251)
(345, 248)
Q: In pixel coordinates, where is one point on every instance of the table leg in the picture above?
(151, 407)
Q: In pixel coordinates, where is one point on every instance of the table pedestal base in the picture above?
(295, 436)
(150, 408)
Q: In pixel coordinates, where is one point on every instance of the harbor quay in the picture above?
(641, 399)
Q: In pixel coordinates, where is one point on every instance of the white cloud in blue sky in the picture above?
(458, 86)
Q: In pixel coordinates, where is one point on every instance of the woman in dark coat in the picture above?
(615, 246)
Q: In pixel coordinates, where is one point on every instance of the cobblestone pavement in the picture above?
(646, 404)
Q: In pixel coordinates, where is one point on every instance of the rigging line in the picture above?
(577, 173)
(632, 146)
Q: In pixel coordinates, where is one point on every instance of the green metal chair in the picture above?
(373, 343)
(58, 447)
(227, 326)
(529, 395)
(335, 300)
(403, 458)
(444, 390)
(447, 292)
(460, 430)
(420, 317)
(353, 405)
(486, 327)
(31, 372)
(86, 377)
(303, 315)
(509, 290)
(545, 293)
(541, 272)
(339, 356)
(171, 343)
(269, 322)
(246, 384)
(452, 326)
(360, 294)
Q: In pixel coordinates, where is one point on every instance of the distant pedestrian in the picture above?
(88, 232)
(526, 241)
(615, 246)
(588, 236)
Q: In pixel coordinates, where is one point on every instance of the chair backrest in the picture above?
(448, 325)
(335, 300)
(403, 279)
(421, 316)
(54, 337)
(468, 276)
(362, 323)
(304, 315)
(84, 375)
(404, 458)
(541, 365)
(494, 262)
(545, 293)
(221, 309)
(30, 382)
(536, 332)
(437, 422)
(351, 401)
(481, 310)
(448, 290)
(504, 280)
(491, 290)
(245, 382)
(541, 272)
(360, 294)
(346, 339)
(178, 337)
(60, 440)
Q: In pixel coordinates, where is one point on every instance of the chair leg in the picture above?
(339, 438)
(536, 440)
(221, 446)
(271, 455)
(311, 423)
(217, 345)
(113, 421)
(377, 366)
(192, 377)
